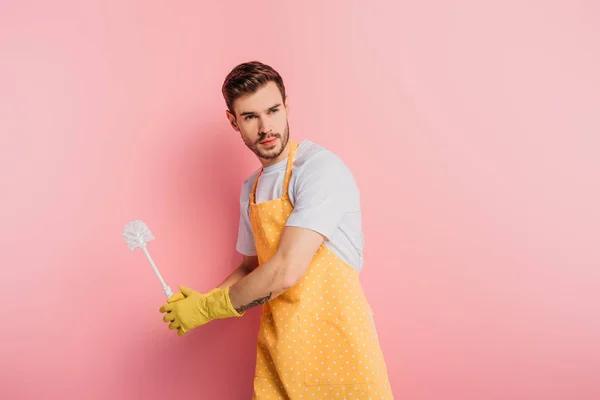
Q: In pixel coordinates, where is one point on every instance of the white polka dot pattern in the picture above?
(317, 340)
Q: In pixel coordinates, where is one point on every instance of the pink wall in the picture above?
(482, 254)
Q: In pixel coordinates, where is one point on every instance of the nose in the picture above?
(265, 126)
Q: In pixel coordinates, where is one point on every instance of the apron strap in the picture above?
(253, 193)
(288, 171)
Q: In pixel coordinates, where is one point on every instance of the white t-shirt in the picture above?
(325, 197)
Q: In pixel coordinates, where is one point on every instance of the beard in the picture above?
(269, 153)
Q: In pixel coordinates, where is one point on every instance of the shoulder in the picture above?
(313, 156)
(315, 161)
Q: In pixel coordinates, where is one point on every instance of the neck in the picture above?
(286, 152)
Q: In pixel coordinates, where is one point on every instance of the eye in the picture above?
(247, 117)
(274, 110)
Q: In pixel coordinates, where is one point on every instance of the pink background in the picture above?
(471, 127)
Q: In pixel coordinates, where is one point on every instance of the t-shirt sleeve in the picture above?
(245, 239)
(324, 192)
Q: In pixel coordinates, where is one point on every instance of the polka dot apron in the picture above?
(316, 340)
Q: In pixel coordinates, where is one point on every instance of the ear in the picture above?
(231, 119)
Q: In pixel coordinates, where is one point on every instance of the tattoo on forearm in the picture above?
(255, 303)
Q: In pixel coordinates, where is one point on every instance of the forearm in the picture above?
(263, 284)
(239, 273)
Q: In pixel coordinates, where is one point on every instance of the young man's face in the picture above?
(261, 119)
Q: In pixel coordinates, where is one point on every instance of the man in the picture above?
(300, 235)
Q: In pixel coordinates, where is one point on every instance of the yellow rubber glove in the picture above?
(189, 309)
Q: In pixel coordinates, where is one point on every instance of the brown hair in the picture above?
(247, 78)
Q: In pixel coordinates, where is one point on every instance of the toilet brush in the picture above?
(136, 235)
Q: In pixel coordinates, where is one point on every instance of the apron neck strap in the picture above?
(288, 170)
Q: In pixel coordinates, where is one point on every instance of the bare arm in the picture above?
(249, 263)
(289, 264)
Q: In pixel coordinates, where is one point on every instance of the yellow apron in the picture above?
(316, 340)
